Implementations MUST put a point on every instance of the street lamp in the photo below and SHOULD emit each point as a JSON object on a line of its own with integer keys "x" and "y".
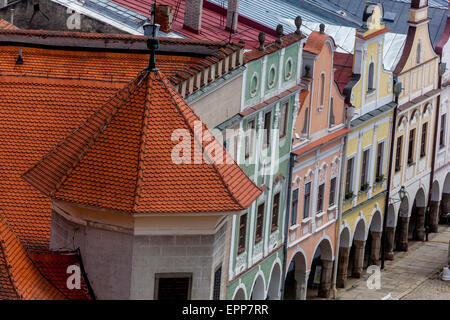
{"x": 402, "y": 192}
{"x": 151, "y": 29}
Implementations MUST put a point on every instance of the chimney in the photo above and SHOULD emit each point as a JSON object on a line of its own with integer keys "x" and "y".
{"x": 164, "y": 17}
{"x": 232, "y": 15}
{"x": 193, "y": 15}
{"x": 419, "y": 11}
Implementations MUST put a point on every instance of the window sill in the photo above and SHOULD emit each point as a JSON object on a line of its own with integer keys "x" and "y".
{"x": 306, "y": 220}
{"x": 240, "y": 251}
{"x": 258, "y": 240}
{"x": 294, "y": 227}
{"x": 332, "y": 208}
{"x": 411, "y": 163}
{"x": 274, "y": 228}
{"x": 320, "y": 214}
{"x": 370, "y": 92}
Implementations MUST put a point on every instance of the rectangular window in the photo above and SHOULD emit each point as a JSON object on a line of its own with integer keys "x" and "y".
{"x": 365, "y": 170}
{"x": 249, "y": 137}
{"x": 242, "y": 233}
{"x": 332, "y": 198}
{"x": 294, "y": 207}
{"x": 423, "y": 141}
{"x": 412, "y": 136}
{"x": 307, "y": 200}
{"x": 320, "y": 197}
{"x": 267, "y": 127}
{"x": 173, "y": 286}
{"x": 284, "y": 119}
{"x": 275, "y": 211}
{"x": 217, "y": 280}
{"x": 380, "y": 156}
{"x": 398, "y": 154}
{"x": 349, "y": 179}
{"x": 259, "y": 223}
{"x": 442, "y": 131}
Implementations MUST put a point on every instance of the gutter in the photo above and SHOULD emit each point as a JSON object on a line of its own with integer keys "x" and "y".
{"x": 338, "y": 229}
{"x": 286, "y": 223}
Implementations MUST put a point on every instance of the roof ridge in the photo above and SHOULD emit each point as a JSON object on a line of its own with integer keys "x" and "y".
{"x": 143, "y": 143}
{"x": 212, "y": 163}
{"x": 75, "y": 158}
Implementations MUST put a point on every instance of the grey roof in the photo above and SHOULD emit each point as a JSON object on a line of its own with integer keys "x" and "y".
{"x": 396, "y": 13}
{"x": 372, "y": 114}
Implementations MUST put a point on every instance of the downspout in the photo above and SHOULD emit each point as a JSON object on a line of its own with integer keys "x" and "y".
{"x": 286, "y": 222}
{"x": 388, "y": 187}
{"x": 435, "y": 133}
{"x": 226, "y": 262}
{"x": 340, "y": 201}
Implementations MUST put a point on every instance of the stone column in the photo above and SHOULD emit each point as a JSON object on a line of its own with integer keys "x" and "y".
{"x": 403, "y": 223}
{"x": 344, "y": 254}
{"x": 375, "y": 249}
{"x": 389, "y": 244}
{"x": 325, "y": 278}
{"x": 301, "y": 277}
{"x": 419, "y": 231}
{"x": 434, "y": 216}
{"x": 358, "y": 259}
{"x": 444, "y": 207}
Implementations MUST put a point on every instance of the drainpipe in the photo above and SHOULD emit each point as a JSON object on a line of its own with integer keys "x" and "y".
{"x": 397, "y": 91}
{"x": 441, "y": 71}
{"x": 340, "y": 206}
{"x": 226, "y": 262}
{"x": 286, "y": 222}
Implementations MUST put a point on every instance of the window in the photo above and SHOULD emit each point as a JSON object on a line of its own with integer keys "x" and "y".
{"x": 320, "y": 197}
{"x": 379, "y": 168}
{"x": 349, "y": 179}
{"x": 423, "y": 141}
{"x": 173, "y": 286}
{"x": 254, "y": 85}
{"x": 249, "y": 137}
{"x": 283, "y": 119}
{"x": 331, "y": 121}
{"x": 306, "y": 122}
{"x": 294, "y": 207}
{"x": 370, "y": 83}
{"x": 242, "y": 233}
{"x": 418, "y": 53}
{"x": 365, "y": 170}
{"x": 275, "y": 211}
{"x": 307, "y": 200}
{"x": 442, "y": 131}
{"x": 259, "y": 223}
{"x": 267, "y": 119}
{"x": 272, "y": 74}
{"x": 332, "y": 198}
{"x": 217, "y": 280}
{"x": 398, "y": 154}
{"x": 412, "y": 135}
{"x": 322, "y": 89}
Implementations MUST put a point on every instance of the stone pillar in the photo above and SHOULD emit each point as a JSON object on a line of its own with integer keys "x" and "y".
{"x": 358, "y": 259}
{"x": 403, "y": 223}
{"x": 389, "y": 244}
{"x": 301, "y": 277}
{"x": 444, "y": 207}
{"x": 434, "y": 216}
{"x": 375, "y": 249}
{"x": 419, "y": 231}
{"x": 325, "y": 278}
{"x": 344, "y": 254}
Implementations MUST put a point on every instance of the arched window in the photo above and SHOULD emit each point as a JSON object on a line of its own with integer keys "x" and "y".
{"x": 322, "y": 89}
{"x": 371, "y": 77}
{"x": 418, "y": 53}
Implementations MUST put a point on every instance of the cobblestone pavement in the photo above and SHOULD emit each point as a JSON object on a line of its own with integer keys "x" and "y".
{"x": 412, "y": 275}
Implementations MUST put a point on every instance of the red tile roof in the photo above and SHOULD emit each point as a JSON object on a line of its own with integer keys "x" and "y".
{"x": 121, "y": 158}
{"x": 54, "y": 267}
{"x": 343, "y": 69}
{"x": 5, "y": 25}
{"x": 315, "y": 42}
{"x": 321, "y": 141}
{"x": 25, "y": 279}
{"x": 212, "y": 28}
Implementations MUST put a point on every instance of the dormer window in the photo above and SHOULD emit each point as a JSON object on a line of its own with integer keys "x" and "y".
{"x": 371, "y": 80}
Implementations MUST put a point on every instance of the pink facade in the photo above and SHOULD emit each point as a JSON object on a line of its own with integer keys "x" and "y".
{"x": 318, "y": 142}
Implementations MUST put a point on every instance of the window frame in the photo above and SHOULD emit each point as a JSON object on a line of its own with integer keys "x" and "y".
{"x": 320, "y": 198}
{"x": 294, "y": 206}
{"x": 332, "y": 192}
{"x": 275, "y": 211}
{"x": 398, "y": 153}
{"x": 284, "y": 114}
{"x": 172, "y": 275}
{"x": 307, "y": 200}
{"x": 365, "y": 166}
{"x": 442, "y": 131}
{"x": 267, "y": 129}
{"x": 423, "y": 140}
{"x": 249, "y": 137}
{"x": 349, "y": 176}
{"x": 380, "y": 159}
{"x": 242, "y": 237}
{"x": 259, "y": 230}
{"x": 411, "y": 146}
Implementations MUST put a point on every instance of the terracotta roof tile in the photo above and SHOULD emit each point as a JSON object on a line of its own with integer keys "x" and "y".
{"x": 121, "y": 158}
{"x": 54, "y": 265}
{"x": 343, "y": 69}
{"x": 315, "y": 42}
{"x": 28, "y": 282}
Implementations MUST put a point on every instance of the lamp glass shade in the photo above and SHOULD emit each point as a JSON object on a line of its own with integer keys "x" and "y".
{"x": 151, "y": 30}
